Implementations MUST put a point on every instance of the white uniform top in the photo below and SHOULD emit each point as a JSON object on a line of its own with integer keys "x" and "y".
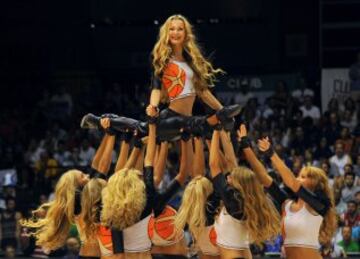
{"x": 136, "y": 237}
{"x": 301, "y": 228}
{"x": 231, "y": 233}
{"x": 177, "y": 79}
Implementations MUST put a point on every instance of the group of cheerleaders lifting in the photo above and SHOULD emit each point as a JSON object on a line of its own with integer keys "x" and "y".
{"x": 125, "y": 216}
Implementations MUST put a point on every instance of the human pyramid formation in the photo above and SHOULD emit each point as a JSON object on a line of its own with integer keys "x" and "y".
{"x": 125, "y": 216}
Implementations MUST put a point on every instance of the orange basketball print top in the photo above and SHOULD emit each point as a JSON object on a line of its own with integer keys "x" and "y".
{"x": 177, "y": 80}
{"x": 105, "y": 241}
{"x": 162, "y": 229}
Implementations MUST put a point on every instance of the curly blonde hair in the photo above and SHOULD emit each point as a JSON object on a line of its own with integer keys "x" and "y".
{"x": 192, "y": 209}
{"x": 123, "y": 199}
{"x": 320, "y": 183}
{"x": 261, "y": 217}
{"x": 90, "y": 201}
{"x": 205, "y": 73}
{"x": 53, "y": 229}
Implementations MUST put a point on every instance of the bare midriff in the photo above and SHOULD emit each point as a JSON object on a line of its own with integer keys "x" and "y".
{"x": 90, "y": 248}
{"x": 117, "y": 256}
{"x": 183, "y": 106}
{"x": 301, "y": 253}
{"x": 143, "y": 255}
{"x": 232, "y": 253}
{"x": 176, "y": 249}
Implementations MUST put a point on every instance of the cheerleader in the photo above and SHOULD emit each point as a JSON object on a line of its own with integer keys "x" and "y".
{"x": 308, "y": 219}
{"x": 247, "y": 216}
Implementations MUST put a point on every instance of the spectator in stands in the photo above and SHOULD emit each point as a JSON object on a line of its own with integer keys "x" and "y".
{"x": 87, "y": 152}
{"x": 10, "y": 252}
{"x": 330, "y": 250}
{"x": 357, "y": 166}
{"x": 281, "y": 96}
{"x": 351, "y": 217}
{"x": 340, "y": 204}
{"x": 333, "y": 107}
{"x": 63, "y": 156}
{"x": 332, "y": 130}
{"x": 244, "y": 95}
{"x": 357, "y": 198}
{"x": 9, "y": 225}
{"x": 346, "y": 139}
{"x": 349, "y": 190}
{"x": 322, "y": 150}
{"x": 347, "y": 243}
{"x": 325, "y": 165}
{"x": 269, "y": 108}
{"x": 299, "y": 143}
{"x": 310, "y": 110}
{"x": 349, "y": 120}
{"x": 45, "y": 168}
{"x": 299, "y": 93}
{"x": 340, "y": 159}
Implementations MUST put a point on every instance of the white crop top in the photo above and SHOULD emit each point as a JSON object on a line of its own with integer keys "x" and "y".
{"x": 177, "y": 80}
{"x": 301, "y": 228}
{"x": 231, "y": 233}
{"x": 136, "y": 237}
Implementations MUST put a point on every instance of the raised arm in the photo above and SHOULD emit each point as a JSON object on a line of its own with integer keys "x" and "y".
{"x": 99, "y": 152}
{"x": 103, "y": 156}
{"x": 124, "y": 152}
{"x": 258, "y": 168}
{"x": 285, "y": 173}
{"x": 139, "y": 164}
{"x": 214, "y": 159}
{"x": 105, "y": 161}
{"x": 223, "y": 163}
{"x": 160, "y": 164}
{"x": 229, "y": 152}
{"x": 151, "y": 146}
{"x": 155, "y": 97}
{"x": 199, "y": 158}
{"x": 182, "y": 174}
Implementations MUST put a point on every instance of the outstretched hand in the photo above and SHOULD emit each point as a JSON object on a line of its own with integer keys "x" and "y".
{"x": 241, "y": 132}
{"x": 264, "y": 144}
{"x": 151, "y": 111}
{"x": 105, "y": 122}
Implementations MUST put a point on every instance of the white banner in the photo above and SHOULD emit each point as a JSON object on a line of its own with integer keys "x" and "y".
{"x": 335, "y": 83}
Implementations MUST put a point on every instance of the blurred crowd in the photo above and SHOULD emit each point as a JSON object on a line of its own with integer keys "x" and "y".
{"x": 43, "y": 143}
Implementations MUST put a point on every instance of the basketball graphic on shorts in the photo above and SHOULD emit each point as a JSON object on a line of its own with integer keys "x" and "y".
{"x": 104, "y": 236}
{"x": 212, "y": 236}
{"x": 162, "y": 227}
{"x": 173, "y": 79}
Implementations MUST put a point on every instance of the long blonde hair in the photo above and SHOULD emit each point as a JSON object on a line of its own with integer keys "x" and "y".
{"x": 123, "y": 199}
{"x": 320, "y": 182}
{"x": 161, "y": 53}
{"x": 261, "y": 217}
{"x": 193, "y": 206}
{"x": 90, "y": 209}
{"x": 53, "y": 229}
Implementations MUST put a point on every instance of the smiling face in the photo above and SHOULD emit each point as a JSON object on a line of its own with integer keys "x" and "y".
{"x": 177, "y": 33}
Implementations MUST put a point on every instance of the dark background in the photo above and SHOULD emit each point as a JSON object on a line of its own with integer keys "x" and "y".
{"x": 43, "y": 42}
